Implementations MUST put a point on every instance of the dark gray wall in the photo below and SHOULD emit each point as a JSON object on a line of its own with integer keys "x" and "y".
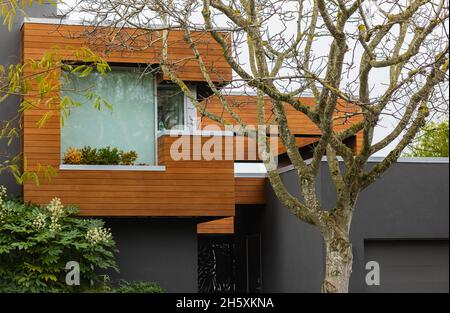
{"x": 409, "y": 265}
{"x": 155, "y": 249}
{"x": 10, "y": 54}
{"x": 410, "y": 201}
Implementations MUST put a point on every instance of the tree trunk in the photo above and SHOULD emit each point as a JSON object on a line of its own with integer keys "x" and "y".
{"x": 338, "y": 265}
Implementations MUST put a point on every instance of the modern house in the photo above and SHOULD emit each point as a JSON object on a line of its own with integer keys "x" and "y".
{"x": 193, "y": 223}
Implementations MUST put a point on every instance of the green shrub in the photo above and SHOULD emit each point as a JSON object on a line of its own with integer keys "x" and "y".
{"x": 138, "y": 287}
{"x": 108, "y": 156}
{"x": 36, "y": 242}
{"x": 88, "y": 155}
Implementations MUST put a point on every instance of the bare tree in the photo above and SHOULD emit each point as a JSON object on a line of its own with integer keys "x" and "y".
{"x": 388, "y": 58}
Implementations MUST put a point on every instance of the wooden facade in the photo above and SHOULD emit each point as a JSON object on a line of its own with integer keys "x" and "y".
{"x": 301, "y": 126}
{"x": 245, "y": 107}
{"x": 185, "y": 188}
{"x": 190, "y": 187}
{"x": 127, "y": 46}
{"x": 250, "y": 190}
{"x": 220, "y": 226}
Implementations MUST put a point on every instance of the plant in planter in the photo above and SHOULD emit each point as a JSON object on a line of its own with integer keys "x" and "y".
{"x": 88, "y": 155}
{"x": 73, "y": 156}
{"x": 102, "y": 156}
{"x": 108, "y": 156}
{"x": 128, "y": 158}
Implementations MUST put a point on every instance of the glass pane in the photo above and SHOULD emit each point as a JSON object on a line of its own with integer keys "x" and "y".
{"x": 130, "y": 125}
{"x": 170, "y": 107}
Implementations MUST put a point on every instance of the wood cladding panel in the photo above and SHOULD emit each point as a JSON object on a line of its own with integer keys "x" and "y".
{"x": 245, "y": 107}
{"x": 359, "y": 141}
{"x": 247, "y": 191}
{"x": 128, "y": 46}
{"x": 220, "y": 226}
{"x": 185, "y": 188}
{"x": 250, "y": 190}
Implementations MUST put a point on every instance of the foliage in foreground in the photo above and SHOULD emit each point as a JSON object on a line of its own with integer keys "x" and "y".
{"x": 431, "y": 142}
{"x": 36, "y": 242}
{"x": 138, "y": 287}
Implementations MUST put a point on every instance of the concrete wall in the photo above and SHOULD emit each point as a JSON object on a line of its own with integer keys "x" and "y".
{"x": 10, "y": 54}
{"x": 156, "y": 249}
{"x": 410, "y": 201}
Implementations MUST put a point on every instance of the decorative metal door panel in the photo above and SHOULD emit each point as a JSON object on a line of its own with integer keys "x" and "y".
{"x": 216, "y": 264}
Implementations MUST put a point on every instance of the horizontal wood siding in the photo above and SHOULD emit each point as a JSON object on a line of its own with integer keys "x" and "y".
{"x": 186, "y": 188}
{"x": 220, "y": 226}
{"x": 305, "y": 131}
{"x": 250, "y": 190}
{"x": 245, "y": 107}
{"x": 128, "y": 46}
{"x": 359, "y": 141}
{"x": 247, "y": 191}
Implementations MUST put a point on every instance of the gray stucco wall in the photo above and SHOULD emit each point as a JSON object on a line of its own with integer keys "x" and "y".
{"x": 10, "y": 54}
{"x": 410, "y": 201}
{"x": 156, "y": 249}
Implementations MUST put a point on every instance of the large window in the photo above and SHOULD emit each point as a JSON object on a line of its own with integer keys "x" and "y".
{"x": 171, "y": 109}
{"x": 130, "y": 125}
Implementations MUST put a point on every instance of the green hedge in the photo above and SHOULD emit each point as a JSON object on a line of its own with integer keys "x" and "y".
{"x": 36, "y": 242}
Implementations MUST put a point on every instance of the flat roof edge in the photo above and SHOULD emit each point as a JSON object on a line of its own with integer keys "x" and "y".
{"x": 57, "y": 20}
{"x": 414, "y": 160}
{"x": 63, "y": 20}
{"x": 250, "y": 175}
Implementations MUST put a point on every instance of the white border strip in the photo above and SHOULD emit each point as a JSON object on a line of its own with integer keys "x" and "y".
{"x": 252, "y": 93}
{"x": 412, "y": 160}
{"x": 206, "y": 133}
{"x": 61, "y": 19}
{"x": 76, "y": 167}
{"x": 250, "y": 175}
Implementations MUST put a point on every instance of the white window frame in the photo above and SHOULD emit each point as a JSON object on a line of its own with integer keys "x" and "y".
{"x": 189, "y": 112}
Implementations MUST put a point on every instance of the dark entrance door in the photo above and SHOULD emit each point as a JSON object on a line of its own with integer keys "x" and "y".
{"x": 216, "y": 264}
{"x": 254, "y": 279}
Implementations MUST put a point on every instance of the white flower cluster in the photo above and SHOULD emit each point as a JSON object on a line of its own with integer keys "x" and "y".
{"x": 56, "y": 210}
{"x": 39, "y": 221}
{"x": 55, "y": 207}
{"x": 3, "y": 209}
{"x": 2, "y": 195}
{"x": 98, "y": 235}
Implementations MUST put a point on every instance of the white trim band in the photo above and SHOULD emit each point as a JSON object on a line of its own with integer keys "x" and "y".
{"x": 84, "y": 167}
{"x": 250, "y": 175}
{"x": 205, "y": 133}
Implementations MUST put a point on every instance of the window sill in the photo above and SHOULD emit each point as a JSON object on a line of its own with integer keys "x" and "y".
{"x": 148, "y": 168}
{"x": 203, "y": 133}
